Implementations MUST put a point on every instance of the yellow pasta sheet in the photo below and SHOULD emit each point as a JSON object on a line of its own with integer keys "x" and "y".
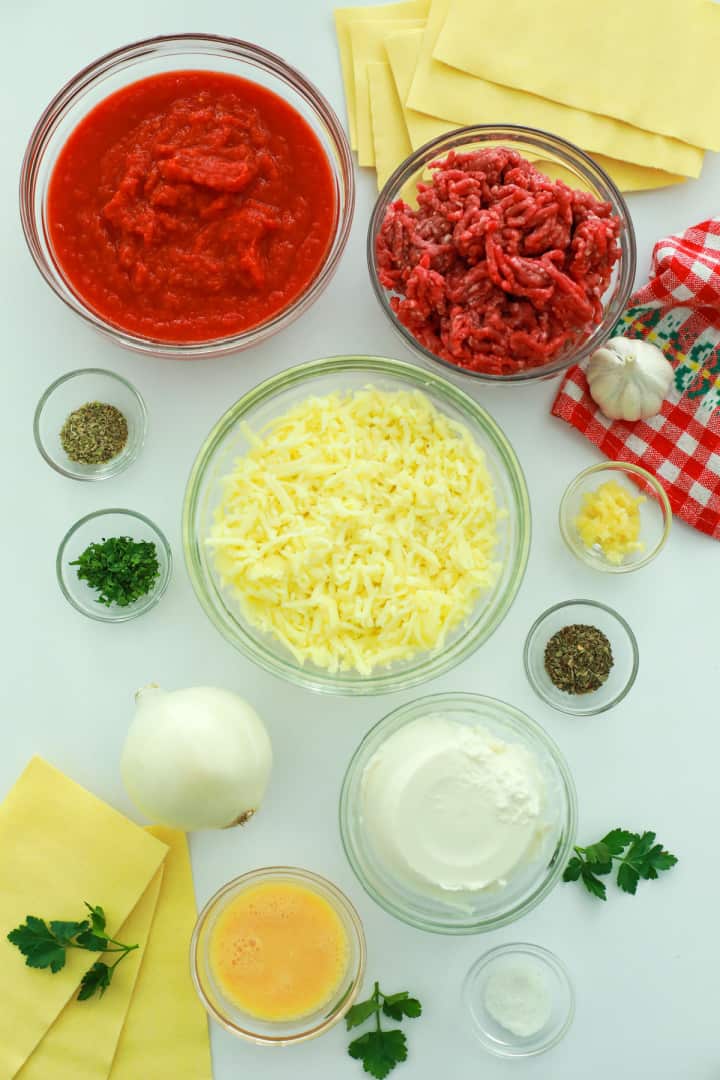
{"x": 59, "y": 846}
{"x": 390, "y": 135}
{"x": 166, "y": 1032}
{"x": 463, "y": 98}
{"x": 82, "y": 1042}
{"x": 403, "y": 50}
{"x": 651, "y": 63}
{"x": 368, "y": 46}
{"x": 406, "y": 9}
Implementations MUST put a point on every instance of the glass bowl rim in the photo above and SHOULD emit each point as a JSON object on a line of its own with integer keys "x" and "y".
{"x": 434, "y": 664}
{"x": 122, "y": 463}
{"x": 413, "y": 710}
{"x": 548, "y": 957}
{"x": 339, "y": 899}
{"x": 570, "y": 155}
{"x": 172, "y": 44}
{"x": 153, "y": 597}
{"x": 627, "y": 686}
{"x": 634, "y": 470}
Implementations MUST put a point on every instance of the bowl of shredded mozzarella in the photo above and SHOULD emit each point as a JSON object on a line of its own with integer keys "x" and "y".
{"x": 356, "y": 525}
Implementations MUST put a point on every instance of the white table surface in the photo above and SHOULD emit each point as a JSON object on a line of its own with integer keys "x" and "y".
{"x": 644, "y": 968}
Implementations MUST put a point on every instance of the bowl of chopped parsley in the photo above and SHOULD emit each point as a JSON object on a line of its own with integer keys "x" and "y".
{"x": 114, "y": 565}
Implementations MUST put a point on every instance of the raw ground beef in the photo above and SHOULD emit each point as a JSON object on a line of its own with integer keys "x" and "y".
{"x": 499, "y": 268}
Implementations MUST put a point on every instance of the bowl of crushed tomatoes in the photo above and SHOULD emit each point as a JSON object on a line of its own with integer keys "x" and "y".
{"x": 187, "y": 195}
{"x": 502, "y": 253}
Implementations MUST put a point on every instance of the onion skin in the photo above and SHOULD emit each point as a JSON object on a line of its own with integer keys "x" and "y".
{"x": 198, "y": 758}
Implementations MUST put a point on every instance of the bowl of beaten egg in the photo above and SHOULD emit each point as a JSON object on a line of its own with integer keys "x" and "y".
{"x": 356, "y": 525}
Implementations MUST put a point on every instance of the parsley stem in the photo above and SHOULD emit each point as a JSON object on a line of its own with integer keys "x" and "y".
{"x": 376, "y": 995}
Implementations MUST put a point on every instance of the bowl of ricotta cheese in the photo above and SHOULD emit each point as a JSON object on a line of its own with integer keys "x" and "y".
{"x": 458, "y": 813}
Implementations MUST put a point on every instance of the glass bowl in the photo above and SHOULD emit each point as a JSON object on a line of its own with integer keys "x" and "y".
{"x": 624, "y": 649}
{"x": 151, "y": 57}
{"x": 229, "y": 440}
{"x": 655, "y": 514}
{"x": 464, "y": 912}
{"x": 70, "y": 392}
{"x": 93, "y": 528}
{"x": 552, "y": 155}
{"x": 561, "y": 999}
{"x": 276, "y": 1033}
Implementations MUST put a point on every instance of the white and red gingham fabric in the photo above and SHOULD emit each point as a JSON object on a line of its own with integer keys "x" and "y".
{"x": 679, "y": 311}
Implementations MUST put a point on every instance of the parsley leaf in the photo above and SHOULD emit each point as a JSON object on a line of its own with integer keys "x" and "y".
{"x": 360, "y": 1013}
{"x": 593, "y": 884}
{"x": 97, "y": 917}
{"x": 638, "y": 856}
{"x": 396, "y": 1006}
{"x": 38, "y": 944}
{"x": 66, "y": 931}
{"x": 95, "y": 980}
{"x": 45, "y": 945}
{"x": 379, "y": 1050}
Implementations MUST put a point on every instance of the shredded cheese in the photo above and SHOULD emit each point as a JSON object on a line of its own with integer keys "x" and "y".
{"x": 610, "y": 521}
{"x": 359, "y": 529}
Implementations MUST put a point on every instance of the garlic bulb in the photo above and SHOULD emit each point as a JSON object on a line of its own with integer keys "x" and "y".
{"x": 628, "y": 378}
{"x": 196, "y": 759}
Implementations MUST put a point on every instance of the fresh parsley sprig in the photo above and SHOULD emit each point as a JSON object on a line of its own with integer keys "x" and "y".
{"x": 381, "y": 1050}
{"x": 637, "y": 855}
{"x": 45, "y": 945}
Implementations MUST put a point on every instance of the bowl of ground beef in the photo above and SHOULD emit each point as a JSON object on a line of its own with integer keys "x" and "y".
{"x": 501, "y": 252}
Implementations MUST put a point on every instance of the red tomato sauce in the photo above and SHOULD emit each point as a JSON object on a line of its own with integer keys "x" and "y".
{"x": 190, "y": 206}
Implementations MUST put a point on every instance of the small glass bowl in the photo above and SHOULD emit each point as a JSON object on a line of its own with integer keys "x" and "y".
{"x": 498, "y": 1039}
{"x": 143, "y": 59}
{"x": 70, "y": 392}
{"x": 276, "y": 1033}
{"x": 92, "y": 529}
{"x": 655, "y": 514}
{"x": 464, "y": 912}
{"x": 557, "y": 158}
{"x": 624, "y": 649}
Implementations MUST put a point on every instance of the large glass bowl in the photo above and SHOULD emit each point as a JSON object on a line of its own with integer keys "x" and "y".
{"x": 557, "y": 158}
{"x": 151, "y": 57}
{"x": 487, "y": 909}
{"x": 229, "y": 439}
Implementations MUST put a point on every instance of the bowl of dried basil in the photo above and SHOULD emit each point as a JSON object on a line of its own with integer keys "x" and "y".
{"x": 581, "y": 657}
{"x": 90, "y": 424}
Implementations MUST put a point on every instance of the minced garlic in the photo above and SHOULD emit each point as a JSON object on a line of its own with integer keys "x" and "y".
{"x": 359, "y": 529}
{"x": 610, "y": 520}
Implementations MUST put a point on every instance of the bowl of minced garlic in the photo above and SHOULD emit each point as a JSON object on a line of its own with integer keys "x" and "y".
{"x": 615, "y": 517}
{"x": 356, "y": 525}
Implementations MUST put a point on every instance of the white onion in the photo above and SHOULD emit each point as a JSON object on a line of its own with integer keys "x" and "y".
{"x": 198, "y": 758}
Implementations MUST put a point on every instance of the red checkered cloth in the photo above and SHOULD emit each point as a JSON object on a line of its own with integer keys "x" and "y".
{"x": 679, "y": 311}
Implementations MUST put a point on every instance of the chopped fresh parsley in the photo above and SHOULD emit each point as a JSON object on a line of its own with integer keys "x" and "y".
{"x": 120, "y": 569}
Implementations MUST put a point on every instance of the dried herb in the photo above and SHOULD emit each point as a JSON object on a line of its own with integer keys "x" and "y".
{"x": 94, "y": 433}
{"x": 578, "y": 659}
{"x": 121, "y": 569}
